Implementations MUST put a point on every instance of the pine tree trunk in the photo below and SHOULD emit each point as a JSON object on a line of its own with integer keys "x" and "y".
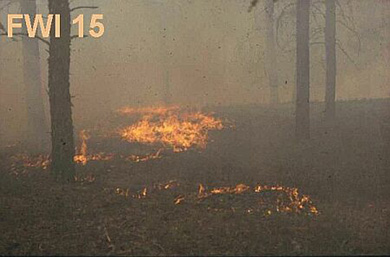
{"x": 302, "y": 114}
{"x": 271, "y": 53}
{"x": 36, "y": 136}
{"x": 330, "y": 45}
{"x": 59, "y": 94}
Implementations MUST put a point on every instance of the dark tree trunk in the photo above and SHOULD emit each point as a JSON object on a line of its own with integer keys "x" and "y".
{"x": 59, "y": 94}
{"x": 302, "y": 113}
{"x": 36, "y": 136}
{"x": 271, "y": 53}
{"x": 330, "y": 45}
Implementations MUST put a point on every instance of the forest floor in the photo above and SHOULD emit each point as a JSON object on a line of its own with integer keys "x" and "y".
{"x": 345, "y": 171}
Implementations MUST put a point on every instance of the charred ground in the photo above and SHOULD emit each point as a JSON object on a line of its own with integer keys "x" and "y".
{"x": 344, "y": 169}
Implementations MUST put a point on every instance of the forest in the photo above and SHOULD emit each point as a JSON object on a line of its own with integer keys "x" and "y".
{"x": 195, "y": 127}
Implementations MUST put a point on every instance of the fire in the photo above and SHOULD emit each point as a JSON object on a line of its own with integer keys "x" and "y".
{"x": 82, "y": 156}
{"x": 179, "y": 199}
{"x": 171, "y": 128}
{"x": 202, "y": 192}
{"x": 168, "y": 127}
{"x": 240, "y": 188}
{"x": 172, "y": 184}
{"x": 40, "y": 161}
{"x": 288, "y": 200}
{"x": 168, "y": 185}
{"x": 297, "y": 202}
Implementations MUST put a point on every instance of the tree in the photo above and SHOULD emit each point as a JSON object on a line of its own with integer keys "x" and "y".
{"x": 63, "y": 151}
{"x": 270, "y": 52}
{"x": 36, "y": 121}
{"x": 302, "y": 113}
{"x": 330, "y": 49}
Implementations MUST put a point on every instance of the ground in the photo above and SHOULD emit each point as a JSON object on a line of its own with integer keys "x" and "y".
{"x": 343, "y": 168}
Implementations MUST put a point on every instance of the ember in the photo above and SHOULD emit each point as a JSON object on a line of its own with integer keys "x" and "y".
{"x": 281, "y": 200}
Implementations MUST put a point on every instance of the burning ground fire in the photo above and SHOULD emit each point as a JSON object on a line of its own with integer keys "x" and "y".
{"x": 166, "y": 128}
{"x": 163, "y": 128}
{"x": 260, "y": 198}
{"x": 170, "y": 128}
{"x": 174, "y": 130}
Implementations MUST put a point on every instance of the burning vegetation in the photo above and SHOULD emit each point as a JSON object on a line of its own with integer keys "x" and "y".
{"x": 167, "y": 129}
{"x": 170, "y": 129}
{"x": 260, "y": 198}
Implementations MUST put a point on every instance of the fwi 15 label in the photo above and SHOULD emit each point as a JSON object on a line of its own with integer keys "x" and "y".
{"x": 96, "y": 27}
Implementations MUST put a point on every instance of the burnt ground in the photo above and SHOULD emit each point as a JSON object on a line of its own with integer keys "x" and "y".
{"x": 343, "y": 169}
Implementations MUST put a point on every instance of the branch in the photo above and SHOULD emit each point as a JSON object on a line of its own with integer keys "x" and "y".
{"x": 345, "y": 52}
{"x": 83, "y": 7}
{"x": 345, "y": 25}
{"x": 339, "y": 46}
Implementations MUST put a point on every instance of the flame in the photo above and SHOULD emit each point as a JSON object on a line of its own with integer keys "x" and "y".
{"x": 295, "y": 202}
{"x": 40, "y": 161}
{"x": 82, "y": 156}
{"x": 288, "y": 200}
{"x": 143, "y": 193}
{"x": 202, "y": 192}
{"x": 168, "y": 185}
{"x": 171, "y": 128}
{"x": 238, "y": 189}
{"x": 167, "y": 126}
{"x": 179, "y": 199}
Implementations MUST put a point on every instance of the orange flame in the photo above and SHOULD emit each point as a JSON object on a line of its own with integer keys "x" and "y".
{"x": 172, "y": 129}
{"x": 289, "y": 201}
{"x": 82, "y": 156}
{"x": 169, "y": 127}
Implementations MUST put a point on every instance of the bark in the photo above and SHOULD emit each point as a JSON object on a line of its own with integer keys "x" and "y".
{"x": 302, "y": 114}
{"x": 330, "y": 47}
{"x": 271, "y": 53}
{"x": 36, "y": 136}
{"x": 59, "y": 95}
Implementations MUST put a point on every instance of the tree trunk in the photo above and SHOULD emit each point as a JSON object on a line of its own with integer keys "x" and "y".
{"x": 271, "y": 53}
{"x": 330, "y": 45}
{"x": 302, "y": 113}
{"x": 59, "y": 95}
{"x": 36, "y": 136}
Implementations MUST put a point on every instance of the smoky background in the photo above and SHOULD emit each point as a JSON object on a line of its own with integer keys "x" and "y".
{"x": 196, "y": 53}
